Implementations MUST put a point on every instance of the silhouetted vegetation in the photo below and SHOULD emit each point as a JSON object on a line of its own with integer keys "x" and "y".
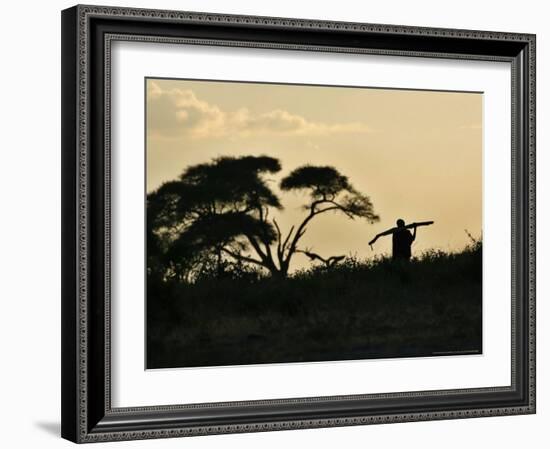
{"x": 354, "y": 309}
{"x": 217, "y": 214}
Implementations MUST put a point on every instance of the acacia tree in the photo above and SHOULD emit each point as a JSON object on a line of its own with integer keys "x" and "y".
{"x": 210, "y": 209}
{"x": 219, "y": 212}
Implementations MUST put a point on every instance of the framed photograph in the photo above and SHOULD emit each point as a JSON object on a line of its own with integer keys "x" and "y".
{"x": 275, "y": 224}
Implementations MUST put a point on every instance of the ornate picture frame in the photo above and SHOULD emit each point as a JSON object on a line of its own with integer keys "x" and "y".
{"x": 88, "y": 414}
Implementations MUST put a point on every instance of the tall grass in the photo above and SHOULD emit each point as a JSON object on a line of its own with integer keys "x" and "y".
{"x": 357, "y": 309}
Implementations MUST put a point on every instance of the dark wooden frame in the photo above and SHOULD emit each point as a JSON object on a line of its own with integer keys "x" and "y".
{"x": 87, "y": 32}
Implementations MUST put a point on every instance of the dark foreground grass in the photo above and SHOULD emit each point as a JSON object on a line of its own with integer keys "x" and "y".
{"x": 356, "y": 310}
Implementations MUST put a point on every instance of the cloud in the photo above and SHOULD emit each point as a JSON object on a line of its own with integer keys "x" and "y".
{"x": 175, "y": 113}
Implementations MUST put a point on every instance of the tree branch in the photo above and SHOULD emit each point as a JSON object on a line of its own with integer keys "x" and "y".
{"x": 340, "y": 207}
{"x": 256, "y": 247}
{"x": 243, "y": 258}
{"x": 326, "y": 209}
{"x": 299, "y": 232}
{"x": 285, "y": 243}
{"x": 313, "y": 212}
{"x": 269, "y": 254}
{"x": 279, "y": 240}
{"x": 329, "y": 262}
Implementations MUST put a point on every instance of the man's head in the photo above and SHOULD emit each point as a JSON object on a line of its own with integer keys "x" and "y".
{"x": 400, "y": 223}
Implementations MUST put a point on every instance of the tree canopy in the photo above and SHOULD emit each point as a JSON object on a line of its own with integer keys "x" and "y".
{"x": 217, "y": 213}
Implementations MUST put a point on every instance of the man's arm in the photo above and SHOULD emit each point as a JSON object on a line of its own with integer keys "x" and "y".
{"x": 382, "y": 234}
{"x": 414, "y": 235}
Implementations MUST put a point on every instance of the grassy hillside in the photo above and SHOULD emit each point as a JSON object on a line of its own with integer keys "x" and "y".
{"x": 356, "y": 310}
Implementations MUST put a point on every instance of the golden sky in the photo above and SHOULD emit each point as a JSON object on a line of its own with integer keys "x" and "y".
{"x": 416, "y": 154}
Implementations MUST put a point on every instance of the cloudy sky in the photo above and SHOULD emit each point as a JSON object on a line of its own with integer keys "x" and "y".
{"x": 416, "y": 154}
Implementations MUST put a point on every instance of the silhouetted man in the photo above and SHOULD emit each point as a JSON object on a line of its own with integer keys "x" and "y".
{"x": 401, "y": 238}
{"x": 401, "y": 241}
